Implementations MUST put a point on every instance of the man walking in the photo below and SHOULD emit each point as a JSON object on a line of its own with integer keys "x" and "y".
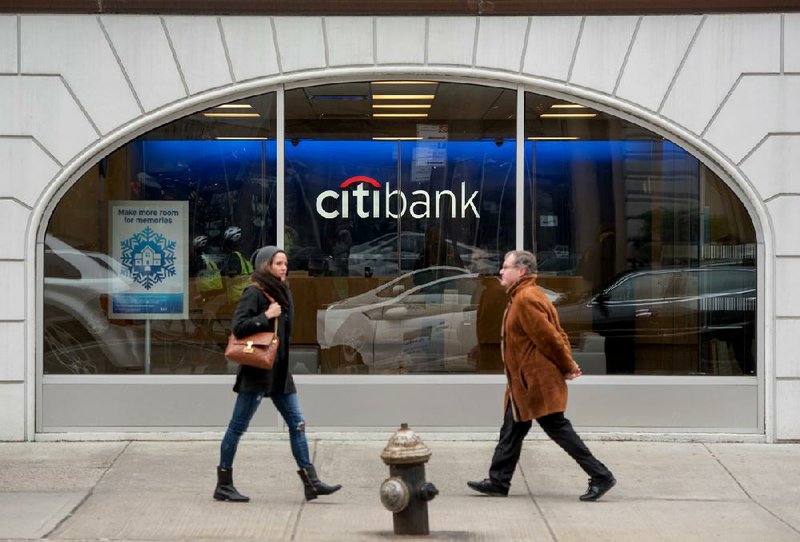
{"x": 538, "y": 360}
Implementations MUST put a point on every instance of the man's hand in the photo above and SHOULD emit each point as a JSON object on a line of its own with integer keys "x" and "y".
{"x": 575, "y": 373}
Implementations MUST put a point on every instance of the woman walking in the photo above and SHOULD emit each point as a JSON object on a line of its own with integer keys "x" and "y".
{"x": 267, "y": 299}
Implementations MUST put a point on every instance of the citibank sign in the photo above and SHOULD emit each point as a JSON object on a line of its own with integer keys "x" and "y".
{"x": 364, "y": 197}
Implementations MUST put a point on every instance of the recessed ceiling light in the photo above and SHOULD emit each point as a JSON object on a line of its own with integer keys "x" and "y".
{"x": 407, "y": 115}
{"x": 401, "y": 106}
{"x": 399, "y": 138}
{"x": 568, "y": 115}
{"x": 567, "y": 106}
{"x": 232, "y": 115}
{"x": 234, "y": 106}
{"x": 403, "y": 96}
{"x": 552, "y": 138}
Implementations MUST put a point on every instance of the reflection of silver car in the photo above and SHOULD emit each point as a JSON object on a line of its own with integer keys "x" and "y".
{"x": 430, "y": 327}
{"x": 330, "y": 321}
{"x": 78, "y": 336}
{"x": 384, "y": 257}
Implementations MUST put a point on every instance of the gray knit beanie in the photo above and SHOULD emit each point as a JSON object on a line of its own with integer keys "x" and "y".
{"x": 264, "y": 255}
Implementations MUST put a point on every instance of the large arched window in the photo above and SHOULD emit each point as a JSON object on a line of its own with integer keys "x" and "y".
{"x": 399, "y": 200}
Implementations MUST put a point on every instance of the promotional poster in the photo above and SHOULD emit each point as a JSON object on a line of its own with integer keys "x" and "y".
{"x": 150, "y": 240}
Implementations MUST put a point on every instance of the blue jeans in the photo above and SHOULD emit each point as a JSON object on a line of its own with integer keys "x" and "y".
{"x": 244, "y": 410}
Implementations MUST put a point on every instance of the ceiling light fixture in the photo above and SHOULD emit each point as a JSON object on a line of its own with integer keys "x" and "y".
{"x": 567, "y": 106}
{"x": 568, "y": 115}
{"x": 399, "y": 138}
{"x": 403, "y": 96}
{"x": 234, "y": 106}
{"x": 232, "y": 115}
{"x": 398, "y": 115}
{"x": 401, "y": 106}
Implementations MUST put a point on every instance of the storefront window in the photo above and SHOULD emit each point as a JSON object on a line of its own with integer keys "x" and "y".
{"x": 399, "y": 200}
{"x": 146, "y": 255}
{"x": 650, "y": 256}
{"x": 399, "y": 207}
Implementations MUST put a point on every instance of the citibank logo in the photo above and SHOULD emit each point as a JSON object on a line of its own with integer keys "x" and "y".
{"x": 365, "y": 197}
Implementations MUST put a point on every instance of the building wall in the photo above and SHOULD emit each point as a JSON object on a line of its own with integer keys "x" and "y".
{"x": 74, "y": 87}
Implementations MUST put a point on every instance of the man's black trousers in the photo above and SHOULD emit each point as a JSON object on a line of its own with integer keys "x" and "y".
{"x": 558, "y": 428}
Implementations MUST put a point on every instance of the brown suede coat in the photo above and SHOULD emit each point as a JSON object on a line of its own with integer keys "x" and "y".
{"x": 536, "y": 353}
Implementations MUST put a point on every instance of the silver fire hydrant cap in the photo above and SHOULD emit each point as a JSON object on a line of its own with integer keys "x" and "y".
{"x": 405, "y": 447}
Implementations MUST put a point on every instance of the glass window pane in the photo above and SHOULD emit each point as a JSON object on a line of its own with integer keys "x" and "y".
{"x": 399, "y": 204}
{"x": 391, "y": 189}
{"x": 222, "y": 163}
{"x": 652, "y": 255}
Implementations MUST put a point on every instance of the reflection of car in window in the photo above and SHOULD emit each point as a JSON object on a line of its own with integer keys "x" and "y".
{"x": 707, "y": 309}
{"x": 330, "y": 321}
{"x": 421, "y": 322}
{"x": 78, "y": 336}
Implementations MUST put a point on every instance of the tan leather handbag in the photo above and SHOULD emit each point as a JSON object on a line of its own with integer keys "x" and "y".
{"x": 257, "y": 350}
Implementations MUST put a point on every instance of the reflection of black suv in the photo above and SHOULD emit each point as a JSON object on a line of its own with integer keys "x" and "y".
{"x": 702, "y": 313}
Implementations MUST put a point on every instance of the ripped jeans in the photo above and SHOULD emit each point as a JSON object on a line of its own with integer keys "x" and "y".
{"x": 244, "y": 410}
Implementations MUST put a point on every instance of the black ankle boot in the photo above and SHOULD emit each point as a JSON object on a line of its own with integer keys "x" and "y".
{"x": 225, "y": 490}
{"x": 314, "y": 486}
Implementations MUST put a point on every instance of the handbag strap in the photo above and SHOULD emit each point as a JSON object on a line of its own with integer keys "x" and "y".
{"x": 269, "y": 298}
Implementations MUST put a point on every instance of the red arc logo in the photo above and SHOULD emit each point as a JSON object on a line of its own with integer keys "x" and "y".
{"x": 360, "y": 179}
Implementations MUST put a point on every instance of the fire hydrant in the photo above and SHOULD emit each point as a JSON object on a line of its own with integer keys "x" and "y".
{"x": 405, "y": 492}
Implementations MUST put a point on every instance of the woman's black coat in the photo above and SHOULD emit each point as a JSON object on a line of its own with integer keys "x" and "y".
{"x": 249, "y": 318}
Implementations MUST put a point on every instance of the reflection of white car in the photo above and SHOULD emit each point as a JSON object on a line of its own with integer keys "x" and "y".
{"x": 430, "y": 327}
{"x": 78, "y": 336}
{"x": 331, "y": 319}
{"x": 384, "y": 258}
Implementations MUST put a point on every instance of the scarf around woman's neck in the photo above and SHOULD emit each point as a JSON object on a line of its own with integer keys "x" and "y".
{"x": 273, "y": 286}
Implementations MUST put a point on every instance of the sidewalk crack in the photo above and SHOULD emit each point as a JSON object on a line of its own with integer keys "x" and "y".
{"x": 89, "y": 493}
{"x": 749, "y": 496}
{"x": 296, "y": 526}
{"x": 536, "y": 504}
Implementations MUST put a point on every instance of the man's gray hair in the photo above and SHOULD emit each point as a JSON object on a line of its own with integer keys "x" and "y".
{"x": 523, "y": 258}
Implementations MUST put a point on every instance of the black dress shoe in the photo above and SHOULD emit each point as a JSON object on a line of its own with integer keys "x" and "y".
{"x": 487, "y": 486}
{"x": 598, "y": 488}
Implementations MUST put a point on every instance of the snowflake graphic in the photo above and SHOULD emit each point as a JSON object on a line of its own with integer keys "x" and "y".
{"x": 148, "y": 258}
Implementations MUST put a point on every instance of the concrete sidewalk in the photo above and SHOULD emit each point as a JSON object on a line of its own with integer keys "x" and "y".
{"x": 162, "y": 491}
